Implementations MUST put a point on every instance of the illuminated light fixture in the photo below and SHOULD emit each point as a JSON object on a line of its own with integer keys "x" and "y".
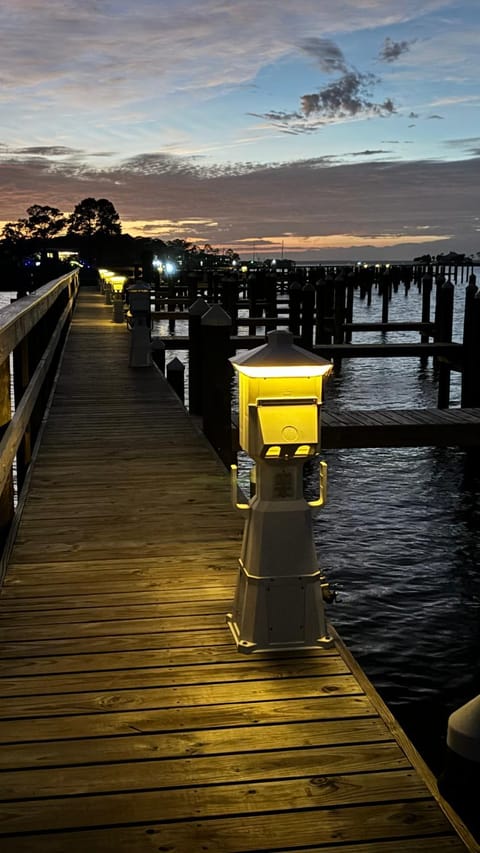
{"x": 117, "y": 282}
{"x": 303, "y": 450}
{"x": 279, "y": 596}
{"x": 170, "y": 267}
{"x": 274, "y": 450}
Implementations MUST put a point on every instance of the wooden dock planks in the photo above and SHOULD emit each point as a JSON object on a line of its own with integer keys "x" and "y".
{"x": 401, "y": 428}
{"x": 129, "y": 721}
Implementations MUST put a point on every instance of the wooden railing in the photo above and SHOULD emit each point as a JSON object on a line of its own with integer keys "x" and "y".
{"x": 32, "y": 333}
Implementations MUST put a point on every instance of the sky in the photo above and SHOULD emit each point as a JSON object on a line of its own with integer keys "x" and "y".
{"x": 312, "y": 129}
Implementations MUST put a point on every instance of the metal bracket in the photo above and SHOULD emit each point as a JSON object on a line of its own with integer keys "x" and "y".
{"x": 322, "y": 470}
{"x": 243, "y": 508}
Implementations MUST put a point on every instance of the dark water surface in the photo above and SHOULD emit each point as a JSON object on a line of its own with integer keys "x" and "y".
{"x": 399, "y": 539}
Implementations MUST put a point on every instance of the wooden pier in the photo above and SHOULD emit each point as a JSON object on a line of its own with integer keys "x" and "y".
{"x": 401, "y": 428}
{"x": 129, "y": 722}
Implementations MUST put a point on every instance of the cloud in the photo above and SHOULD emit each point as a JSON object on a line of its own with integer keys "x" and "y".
{"x": 328, "y": 55}
{"x": 123, "y": 53}
{"x": 471, "y": 145}
{"x": 164, "y": 195}
{"x": 49, "y": 150}
{"x": 392, "y": 50}
{"x": 346, "y": 97}
{"x": 368, "y": 152}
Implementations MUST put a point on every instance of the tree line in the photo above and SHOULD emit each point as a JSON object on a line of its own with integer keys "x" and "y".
{"x": 90, "y": 218}
{"x": 95, "y": 227}
{"x": 30, "y": 247}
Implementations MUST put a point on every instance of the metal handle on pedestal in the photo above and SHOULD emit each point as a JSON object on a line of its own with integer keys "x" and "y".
{"x": 322, "y": 470}
{"x": 242, "y": 507}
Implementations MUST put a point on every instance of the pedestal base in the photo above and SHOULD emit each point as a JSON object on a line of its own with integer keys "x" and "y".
{"x": 278, "y": 613}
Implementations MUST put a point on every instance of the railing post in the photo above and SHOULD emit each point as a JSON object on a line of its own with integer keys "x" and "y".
{"x": 445, "y": 324}
{"x": 322, "y": 336}
{"x": 339, "y": 315}
{"x": 384, "y": 287}
{"x": 196, "y": 312}
{"x": 349, "y": 305}
{"x": 217, "y": 375}
{"x": 6, "y": 498}
{"x": 21, "y": 378}
{"x": 158, "y": 353}
{"x": 176, "y": 377}
{"x": 271, "y": 299}
{"x": 229, "y": 299}
{"x": 439, "y": 282}
{"x": 294, "y": 307}
{"x": 471, "y": 349}
{"x": 308, "y": 310}
{"x": 426, "y": 298}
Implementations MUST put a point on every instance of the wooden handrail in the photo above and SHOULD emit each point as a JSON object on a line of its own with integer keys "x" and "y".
{"x": 32, "y": 331}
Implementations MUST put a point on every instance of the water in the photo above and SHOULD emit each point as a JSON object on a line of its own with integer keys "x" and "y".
{"x": 399, "y": 540}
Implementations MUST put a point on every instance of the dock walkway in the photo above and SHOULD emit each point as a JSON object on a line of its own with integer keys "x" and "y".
{"x": 129, "y": 722}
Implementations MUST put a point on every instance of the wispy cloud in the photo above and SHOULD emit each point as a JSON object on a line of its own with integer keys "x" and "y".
{"x": 326, "y": 53}
{"x": 392, "y": 50}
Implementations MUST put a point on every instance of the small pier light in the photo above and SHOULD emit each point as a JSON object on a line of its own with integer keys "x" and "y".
{"x": 117, "y": 282}
{"x": 280, "y": 589}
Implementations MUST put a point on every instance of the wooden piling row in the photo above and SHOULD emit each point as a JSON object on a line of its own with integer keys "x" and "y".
{"x": 319, "y": 312}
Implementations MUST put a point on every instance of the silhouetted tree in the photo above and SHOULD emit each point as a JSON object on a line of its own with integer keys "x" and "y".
{"x": 44, "y": 221}
{"x": 94, "y": 218}
{"x": 14, "y": 232}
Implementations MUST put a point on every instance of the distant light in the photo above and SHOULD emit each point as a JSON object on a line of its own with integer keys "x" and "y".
{"x": 157, "y": 263}
{"x": 170, "y": 267}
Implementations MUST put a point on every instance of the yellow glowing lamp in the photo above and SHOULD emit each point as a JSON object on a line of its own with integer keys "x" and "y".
{"x": 117, "y": 282}
{"x": 280, "y": 393}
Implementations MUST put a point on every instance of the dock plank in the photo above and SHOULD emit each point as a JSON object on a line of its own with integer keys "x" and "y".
{"x": 401, "y": 428}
